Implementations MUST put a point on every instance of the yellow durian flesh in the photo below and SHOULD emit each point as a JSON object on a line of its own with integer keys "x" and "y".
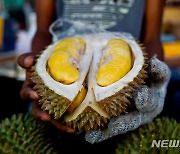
{"x": 72, "y": 45}
{"x": 60, "y": 63}
{"x": 78, "y": 100}
{"x": 119, "y": 62}
{"x": 60, "y": 68}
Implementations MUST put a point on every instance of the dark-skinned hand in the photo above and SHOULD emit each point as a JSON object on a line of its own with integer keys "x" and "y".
{"x": 26, "y": 61}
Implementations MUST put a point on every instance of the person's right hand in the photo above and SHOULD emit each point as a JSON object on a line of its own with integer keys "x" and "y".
{"x": 26, "y": 61}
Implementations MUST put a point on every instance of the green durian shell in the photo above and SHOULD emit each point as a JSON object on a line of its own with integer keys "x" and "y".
{"x": 140, "y": 140}
{"x": 22, "y": 134}
{"x": 55, "y": 104}
{"x": 114, "y": 105}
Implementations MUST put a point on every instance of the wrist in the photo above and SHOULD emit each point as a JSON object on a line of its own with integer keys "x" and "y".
{"x": 40, "y": 41}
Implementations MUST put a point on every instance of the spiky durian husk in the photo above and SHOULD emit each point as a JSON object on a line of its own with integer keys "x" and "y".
{"x": 114, "y": 105}
{"x": 88, "y": 119}
{"x": 55, "y": 104}
{"x": 22, "y": 134}
{"x": 120, "y": 102}
{"x": 140, "y": 140}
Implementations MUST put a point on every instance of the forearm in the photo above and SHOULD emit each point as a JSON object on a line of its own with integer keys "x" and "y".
{"x": 45, "y": 16}
{"x": 40, "y": 41}
{"x": 152, "y": 28}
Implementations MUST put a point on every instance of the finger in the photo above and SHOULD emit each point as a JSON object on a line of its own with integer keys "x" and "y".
{"x": 95, "y": 136}
{"x": 62, "y": 127}
{"x": 145, "y": 98}
{"x": 158, "y": 71}
{"x": 123, "y": 123}
{"x": 28, "y": 94}
{"x": 28, "y": 82}
{"x": 39, "y": 114}
{"x": 26, "y": 60}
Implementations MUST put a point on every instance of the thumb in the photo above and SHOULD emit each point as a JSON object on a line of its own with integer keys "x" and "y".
{"x": 26, "y": 60}
{"x": 158, "y": 71}
{"x": 145, "y": 98}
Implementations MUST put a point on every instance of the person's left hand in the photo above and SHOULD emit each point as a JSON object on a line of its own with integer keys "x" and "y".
{"x": 149, "y": 101}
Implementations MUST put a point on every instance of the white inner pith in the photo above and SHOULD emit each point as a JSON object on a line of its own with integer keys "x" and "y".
{"x": 94, "y": 45}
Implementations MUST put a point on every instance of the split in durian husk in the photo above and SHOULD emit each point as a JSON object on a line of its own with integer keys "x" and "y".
{"x": 22, "y": 134}
{"x": 102, "y": 101}
{"x": 140, "y": 140}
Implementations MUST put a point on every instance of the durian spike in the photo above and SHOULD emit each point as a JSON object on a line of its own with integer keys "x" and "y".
{"x": 85, "y": 120}
{"x": 59, "y": 104}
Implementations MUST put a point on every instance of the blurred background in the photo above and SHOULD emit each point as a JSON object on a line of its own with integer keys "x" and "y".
{"x": 17, "y": 28}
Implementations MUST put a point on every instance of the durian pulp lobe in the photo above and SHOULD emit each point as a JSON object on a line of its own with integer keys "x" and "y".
{"x": 119, "y": 64}
{"x": 61, "y": 69}
{"x": 74, "y": 46}
{"x": 78, "y": 100}
{"x": 67, "y": 51}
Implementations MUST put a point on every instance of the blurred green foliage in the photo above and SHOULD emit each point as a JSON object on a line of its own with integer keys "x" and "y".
{"x": 13, "y": 4}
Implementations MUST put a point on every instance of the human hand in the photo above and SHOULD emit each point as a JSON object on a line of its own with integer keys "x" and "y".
{"x": 26, "y": 61}
{"x": 149, "y": 101}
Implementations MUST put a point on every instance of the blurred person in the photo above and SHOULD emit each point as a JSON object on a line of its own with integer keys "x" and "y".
{"x": 139, "y": 17}
{"x": 148, "y": 27}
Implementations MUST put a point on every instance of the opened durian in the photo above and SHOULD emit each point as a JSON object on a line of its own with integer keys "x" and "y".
{"x": 89, "y": 79}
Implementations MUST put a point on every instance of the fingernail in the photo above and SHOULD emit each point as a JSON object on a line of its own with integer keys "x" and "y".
{"x": 28, "y": 61}
{"x": 33, "y": 95}
{"x": 70, "y": 130}
{"x": 45, "y": 117}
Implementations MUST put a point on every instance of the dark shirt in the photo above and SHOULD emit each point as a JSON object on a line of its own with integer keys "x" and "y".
{"x": 112, "y": 15}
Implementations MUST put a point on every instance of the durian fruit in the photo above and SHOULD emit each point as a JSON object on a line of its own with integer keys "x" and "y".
{"x": 84, "y": 81}
{"x": 22, "y": 134}
{"x": 140, "y": 140}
